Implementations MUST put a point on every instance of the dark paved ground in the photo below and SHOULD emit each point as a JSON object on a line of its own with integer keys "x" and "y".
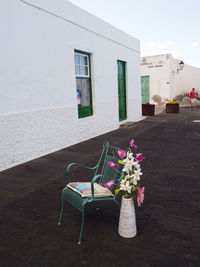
{"x": 168, "y": 223}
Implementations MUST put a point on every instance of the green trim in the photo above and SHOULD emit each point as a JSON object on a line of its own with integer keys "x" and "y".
{"x": 81, "y": 52}
{"x": 86, "y": 111}
{"x": 122, "y": 90}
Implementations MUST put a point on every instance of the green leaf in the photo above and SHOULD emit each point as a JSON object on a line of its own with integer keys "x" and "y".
{"x": 116, "y": 191}
{"x": 121, "y": 162}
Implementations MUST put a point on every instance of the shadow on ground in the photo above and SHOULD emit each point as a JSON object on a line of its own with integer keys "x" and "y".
{"x": 168, "y": 223}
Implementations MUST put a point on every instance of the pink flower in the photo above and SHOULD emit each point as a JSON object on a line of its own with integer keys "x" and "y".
{"x": 112, "y": 165}
{"x": 109, "y": 184}
{"x": 140, "y": 196}
{"x": 139, "y": 157}
{"x": 132, "y": 144}
{"x": 121, "y": 153}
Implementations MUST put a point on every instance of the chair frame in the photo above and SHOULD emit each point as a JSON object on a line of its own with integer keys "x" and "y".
{"x": 79, "y": 202}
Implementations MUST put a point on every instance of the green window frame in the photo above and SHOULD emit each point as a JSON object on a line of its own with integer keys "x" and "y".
{"x": 83, "y": 83}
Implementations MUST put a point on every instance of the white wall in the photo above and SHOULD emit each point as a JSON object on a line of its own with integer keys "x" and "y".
{"x": 188, "y": 78}
{"x": 182, "y": 81}
{"x": 157, "y": 68}
{"x": 166, "y": 81}
{"x": 37, "y": 77}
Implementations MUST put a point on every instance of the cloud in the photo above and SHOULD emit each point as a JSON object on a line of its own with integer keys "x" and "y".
{"x": 159, "y": 47}
{"x": 156, "y": 45}
{"x": 195, "y": 44}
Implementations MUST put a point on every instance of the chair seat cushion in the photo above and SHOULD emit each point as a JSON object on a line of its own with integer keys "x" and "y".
{"x": 84, "y": 189}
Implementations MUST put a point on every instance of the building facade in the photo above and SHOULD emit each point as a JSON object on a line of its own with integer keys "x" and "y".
{"x": 161, "y": 75}
{"x": 65, "y": 76}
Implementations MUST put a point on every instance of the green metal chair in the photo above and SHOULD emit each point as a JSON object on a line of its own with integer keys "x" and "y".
{"x": 102, "y": 174}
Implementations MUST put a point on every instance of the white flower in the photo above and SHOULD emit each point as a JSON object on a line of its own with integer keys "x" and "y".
{"x": 135, "y": 180}
{"x": 123, "y": 180}
{"x": 126, "y": 169}
{"x": 125, "y": 186}
{"x": 129, "y": 165}
{"x": 136, "y": 176}
{"x": 126, "y": 160}
{"x": 138, "y": 172}
{"x": 130, "y": 177}
{"x": 129, "y": 155}
{"x": 137, "y": 165}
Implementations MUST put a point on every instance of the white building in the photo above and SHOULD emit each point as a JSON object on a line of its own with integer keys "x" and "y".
{"x": 65, "y": 76}
{"x": 163, "y": 76}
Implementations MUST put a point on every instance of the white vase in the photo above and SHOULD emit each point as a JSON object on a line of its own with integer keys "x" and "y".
{"x": 127, "y": 221}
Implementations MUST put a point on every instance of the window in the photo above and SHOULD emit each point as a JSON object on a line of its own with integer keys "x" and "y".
{"x": 83, "y": 84}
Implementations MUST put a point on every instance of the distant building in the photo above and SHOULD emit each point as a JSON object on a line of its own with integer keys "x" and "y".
{"x": 65, "y": 76}
{"x": 162, "y": 75}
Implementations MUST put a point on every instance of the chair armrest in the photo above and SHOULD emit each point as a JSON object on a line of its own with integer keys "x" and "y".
{"x": 78, "y": 164}
{"x": 96, "y": 177}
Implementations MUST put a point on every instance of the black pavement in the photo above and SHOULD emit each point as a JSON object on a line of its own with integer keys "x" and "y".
{"x": 168, "y": 223}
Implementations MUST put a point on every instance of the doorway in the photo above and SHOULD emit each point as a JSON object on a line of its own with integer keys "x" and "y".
{"x": 145, "y": 89}
{"x": 121, "y": 65}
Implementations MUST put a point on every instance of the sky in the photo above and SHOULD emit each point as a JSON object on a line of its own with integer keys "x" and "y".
{"x": 162, "y": 26}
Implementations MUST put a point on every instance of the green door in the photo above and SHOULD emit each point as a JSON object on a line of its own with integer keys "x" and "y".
{"x": 145, "y": 89}
{"x": 122, "y": 89}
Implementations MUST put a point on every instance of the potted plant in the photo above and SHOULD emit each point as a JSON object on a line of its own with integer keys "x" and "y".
{"x": 172, "y": 107}
{"x": 129, "y": 183}
{"x": 157, "y": 99}
{"x": 148, "y": 109}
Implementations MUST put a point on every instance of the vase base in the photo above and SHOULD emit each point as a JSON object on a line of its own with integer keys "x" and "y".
{"x": 128, "y": 236}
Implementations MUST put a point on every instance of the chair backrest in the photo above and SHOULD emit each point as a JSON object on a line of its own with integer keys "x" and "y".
{"x": 109, "y": 153}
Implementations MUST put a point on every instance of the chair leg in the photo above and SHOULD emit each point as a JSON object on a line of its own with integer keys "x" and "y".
{"x": 82, "y": 223}
{"x": 117, "y": 203}
{"x": 61, "y": 212}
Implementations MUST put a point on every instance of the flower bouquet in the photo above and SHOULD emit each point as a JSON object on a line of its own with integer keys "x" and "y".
{"x": 130, "y": 175}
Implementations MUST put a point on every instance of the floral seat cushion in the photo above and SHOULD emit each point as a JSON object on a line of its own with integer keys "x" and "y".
{"x": 84, "y": 189}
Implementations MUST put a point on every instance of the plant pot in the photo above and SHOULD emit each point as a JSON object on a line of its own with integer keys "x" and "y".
{"x": 148, "y": 109}
{"x": 172, "y": 108}
{"x": 127, "y": 221}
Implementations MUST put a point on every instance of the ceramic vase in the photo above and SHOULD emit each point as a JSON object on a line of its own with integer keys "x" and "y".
{"x": 127, "y": 221}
